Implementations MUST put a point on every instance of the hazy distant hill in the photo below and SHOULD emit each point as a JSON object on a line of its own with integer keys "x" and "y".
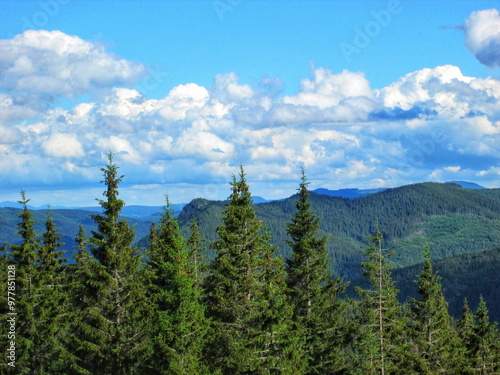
{"x": 356, "y": 193}
{"x": 66, "y": 220}
{"x": 135, "y": 211}
{"x": 347, "y": 193}
{"x": 466, "y": 185}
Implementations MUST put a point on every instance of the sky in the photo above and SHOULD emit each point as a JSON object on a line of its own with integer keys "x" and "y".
{"x": 363, "y": 94}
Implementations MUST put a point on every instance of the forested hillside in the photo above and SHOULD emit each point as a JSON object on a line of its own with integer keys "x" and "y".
{"x": 451, "y": 219}
{"x": 463, "y": 276}
{"x": 166, "y": 309}
{"x": 68, "y": 222}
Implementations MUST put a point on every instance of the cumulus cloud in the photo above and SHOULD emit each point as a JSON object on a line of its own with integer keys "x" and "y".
{"x": 63, "y": 146}
{"x": 434, "y": 123}
{"x": 227, "y": 88}
{"x": 9, "y": 135}
{"x": 482, "y": 36}
{"x": 444, "y": 91}
{"x": 327, "y": 89}
{"x": 57, "y": 64}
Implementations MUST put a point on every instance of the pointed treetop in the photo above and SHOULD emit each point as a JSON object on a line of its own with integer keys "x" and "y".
{"x": 303, "y": 175}
{"x": 24, "y": 201}
{"x": 240, "y": 190}
{"x": 168, "y": 212}
{"x": 427, "y": 252}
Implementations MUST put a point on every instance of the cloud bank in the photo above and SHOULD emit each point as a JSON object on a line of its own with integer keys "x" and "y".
{"x": 37, "y": 67}
{"x": 431, "y": 124}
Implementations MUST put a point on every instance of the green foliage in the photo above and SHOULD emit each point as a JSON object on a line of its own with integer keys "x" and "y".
{"x": 411, "y": 215}
{"x": 23, "y": 257}
{"x": 448, "y": 235}
{"x": 436, "y": 341}
{"x": 52, "y": 307}
{"x": 112, "y": 312}
{"x": 467, "y": 335}
{"x": 381, "y": 345}
{"x": 462, "y": 276}
{"x": 111, "y": 332}
{"x": 485, "y": 348}
{"x": 179, "y": 325}
{"x": 197, "y": 253}
{"x": 67, "y": 220}
{"x": 252, "y": 326}
{"x": 318, "y": 310}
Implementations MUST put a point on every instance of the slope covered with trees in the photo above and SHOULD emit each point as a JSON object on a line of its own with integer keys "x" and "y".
{"x": 120, "y": 309}
{"x": 451, "y": 219}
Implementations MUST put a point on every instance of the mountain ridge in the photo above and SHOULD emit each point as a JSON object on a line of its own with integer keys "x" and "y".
{"x": 135, "y": 210}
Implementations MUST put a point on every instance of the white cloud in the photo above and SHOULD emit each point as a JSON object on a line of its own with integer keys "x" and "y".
{"x": 15, "y": 109}
{"x": 327, "y": 89}
{"x": 428, "y": 124}
{"x": 121, "y": 147}
{"x": 227, "y": 88}
{"x": 423, "y": 86}
{"x": 482, "y": 36}
{"x": 442, "y": 91}
{"x": 9, "y": 135}
{"x": 355, "y": 169}
{"x": 203, "y": 144}
{"x": 63, "y": 146}
{"x": 54, "y": 63}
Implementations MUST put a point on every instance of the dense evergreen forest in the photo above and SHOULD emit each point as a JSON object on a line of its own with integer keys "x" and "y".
{"x": 217, "y": 296}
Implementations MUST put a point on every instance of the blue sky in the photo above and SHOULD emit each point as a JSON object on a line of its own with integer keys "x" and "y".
{"x": 362, "y": 93}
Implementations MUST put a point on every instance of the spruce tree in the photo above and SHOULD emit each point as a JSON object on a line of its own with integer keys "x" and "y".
{"x": 82, "y": 256}
{"x": 485, "y": 351}
{"x": 197, "y": 252}
{"x": 180, "y": 326}
{"x": 81, "y": 273}
{"x": 111, "y": 332}
{"x": 246, "y": 294}
{"x": 23, "y": 257}
{"x": 466, "y": 327}
{"x": 381, "y": 346}
{"x": 313, "y": 292}
{"x": 436, "y": 340}
{"x": 53, "y": 306}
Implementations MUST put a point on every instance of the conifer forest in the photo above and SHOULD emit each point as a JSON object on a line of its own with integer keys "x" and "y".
{"x": 183, "y": 305}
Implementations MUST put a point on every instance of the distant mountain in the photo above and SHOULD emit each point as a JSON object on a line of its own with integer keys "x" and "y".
{"x": 142, "y": 212}
{"x": 18, "y": 205}
{"x": 67, "y": 222}
{"x": 133, "y": 211}
{"x": 356, "y": 193}
{"x": 347, "y": 193}
{"x": 451, "y": 219}
{"x": 466, "y": 185}
{"x": 256, "y": 199}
